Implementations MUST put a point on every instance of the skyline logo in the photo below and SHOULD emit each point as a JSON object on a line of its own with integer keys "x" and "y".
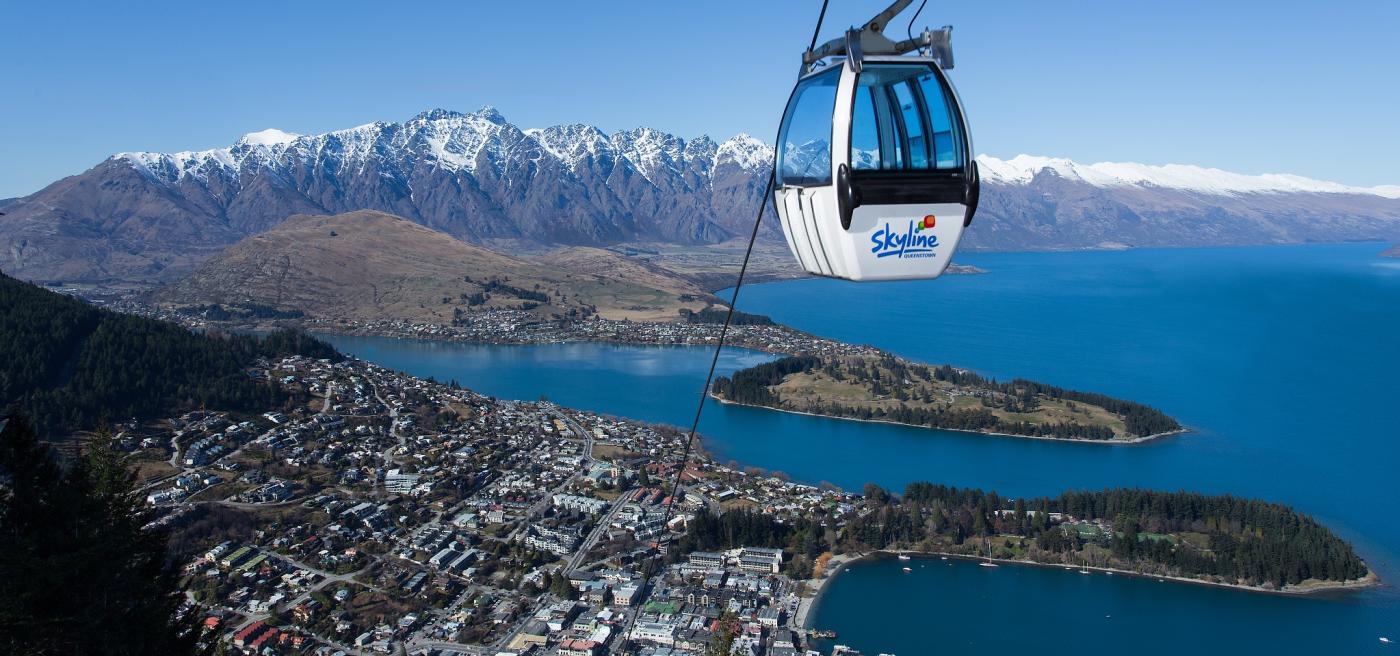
{"x": 910, "y": 243}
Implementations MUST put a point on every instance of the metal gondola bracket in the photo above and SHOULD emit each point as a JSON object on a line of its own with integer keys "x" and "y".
{"x": 940, "y": 45}
{"x": 870, "y": 39}
{"x": 854, "y": 50}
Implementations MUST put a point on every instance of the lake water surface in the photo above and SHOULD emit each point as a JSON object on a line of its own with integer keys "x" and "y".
{"x": 1284, "y": 361}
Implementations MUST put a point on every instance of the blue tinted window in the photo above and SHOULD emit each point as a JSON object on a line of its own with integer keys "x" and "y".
{"x": 804, "y": 144}
{"x": 946, "y": 147}
{"x": 865, "y": 136}
{"x": 902, "y": 120}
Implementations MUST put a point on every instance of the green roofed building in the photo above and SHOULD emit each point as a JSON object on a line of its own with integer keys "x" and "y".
{"x": 662, "y": 607}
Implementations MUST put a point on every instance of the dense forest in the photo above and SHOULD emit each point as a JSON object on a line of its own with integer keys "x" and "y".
{"x": 69, "y": 365}
{"x": 1235, "y": 540}
{"x": 751, "y": 386}
{"x": 242, "y": 312}
{"x": 83, "y": 571}
{"x": 499, "y": 286}
{"x": 714, "y": 314}
{"x": 806, "y": 539}
{"x": 1221, "y": 538}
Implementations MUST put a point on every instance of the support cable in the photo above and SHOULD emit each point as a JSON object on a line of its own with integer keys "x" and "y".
{"x": 704, "y": 396}
{"x": 714, "y": 362}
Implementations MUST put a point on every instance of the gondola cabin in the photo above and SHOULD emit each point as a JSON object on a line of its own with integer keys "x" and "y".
{"x": 875, "y": 177}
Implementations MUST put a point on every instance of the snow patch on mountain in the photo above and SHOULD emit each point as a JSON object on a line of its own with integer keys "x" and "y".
{"x": 268, "y": 137}
{"x": 746, "y": 152}
{"x": 574, "y": 143}
{"x": 1022, "y": 169}
{"x": 652, "y": 151}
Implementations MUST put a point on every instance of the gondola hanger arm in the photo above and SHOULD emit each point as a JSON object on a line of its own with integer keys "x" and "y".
{"x": 870, "y": 39}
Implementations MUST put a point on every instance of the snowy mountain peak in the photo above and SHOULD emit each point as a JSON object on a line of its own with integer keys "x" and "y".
{"x": 268, "y": 137}
{"x": 573, "y": 143}
{"x": 652, "y": 151}
{"x": 489, "y": 113}
{"x": 700, "y": 151}
{"x": 437, "y": 114}
{"x": 746, "y": 152}
{"x": 1024, "y": 169}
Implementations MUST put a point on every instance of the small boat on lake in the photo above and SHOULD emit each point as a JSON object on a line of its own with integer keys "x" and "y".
{"x": 1385, "y": 640}
{"x": 1084, "y": 571}
{"x": 904, "y": 556}
{"x": 987, "y": 563}
{"x": 906, "y": 569}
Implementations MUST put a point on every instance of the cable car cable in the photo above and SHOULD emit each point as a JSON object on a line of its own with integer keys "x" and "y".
{"x": 704, "y": 391}
{"x": 821, "y": 16}
{"x": 909, "y": 29}
{"x": 714, "y": 359}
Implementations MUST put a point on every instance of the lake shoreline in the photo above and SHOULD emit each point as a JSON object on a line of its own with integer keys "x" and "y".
{"x": 1115, "y": 441}
{"x": 738, "y": 340}
{"x": 806, "y": 608}
{"x": 773, "y": 339}
{"x": 842, "y": 562}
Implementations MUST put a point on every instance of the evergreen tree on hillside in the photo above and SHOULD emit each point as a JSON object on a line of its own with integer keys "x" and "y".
{"x": 72, "y": 366}
{"x": 78, "y": 573}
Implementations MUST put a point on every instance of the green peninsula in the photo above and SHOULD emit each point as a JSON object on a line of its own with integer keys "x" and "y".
{"x": 882, "y": 387}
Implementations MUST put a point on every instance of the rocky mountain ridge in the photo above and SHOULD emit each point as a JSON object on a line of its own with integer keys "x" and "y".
{"x": 153, "y": 217}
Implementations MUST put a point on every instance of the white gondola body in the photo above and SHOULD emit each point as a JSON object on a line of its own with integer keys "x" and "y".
{"x": 885, "y": 240}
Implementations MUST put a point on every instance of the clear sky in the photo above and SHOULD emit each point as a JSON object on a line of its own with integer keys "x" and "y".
{"x": 1311, "y": 88}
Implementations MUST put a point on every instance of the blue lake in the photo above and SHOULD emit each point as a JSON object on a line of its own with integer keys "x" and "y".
{"x": 1282, "y": 359}
{"x": 956, "y": 606}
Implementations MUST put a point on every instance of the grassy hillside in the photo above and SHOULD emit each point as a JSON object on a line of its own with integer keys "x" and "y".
{"x": 891, "y": 389}
{"x": 375, "y": 266}
{"x": 69, "y": 365}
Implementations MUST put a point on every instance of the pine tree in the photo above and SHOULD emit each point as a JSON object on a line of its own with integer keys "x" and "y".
{"x": 80, "y": 573}
{"x": 561, "y": 588}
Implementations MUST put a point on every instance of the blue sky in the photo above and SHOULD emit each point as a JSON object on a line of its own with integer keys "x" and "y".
{"x": 1311, "y": 88}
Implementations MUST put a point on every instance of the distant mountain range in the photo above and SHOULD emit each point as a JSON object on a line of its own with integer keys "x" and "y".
{"x": 1032, "y": 203}
{"x": 155, "y": 216}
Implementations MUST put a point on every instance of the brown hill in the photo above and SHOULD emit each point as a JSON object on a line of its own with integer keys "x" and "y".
{"x": 370, "y": 265}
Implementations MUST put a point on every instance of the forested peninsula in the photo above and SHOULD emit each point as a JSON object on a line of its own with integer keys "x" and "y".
{"x": 1216, "y": 539}
{"x": 886, "y": 388}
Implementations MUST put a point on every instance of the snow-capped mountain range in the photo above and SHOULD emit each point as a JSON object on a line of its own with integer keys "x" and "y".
{"x": 1023, "y": 169}
{"x": 476, "y": 176}
{"x": 457, "y": 143}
